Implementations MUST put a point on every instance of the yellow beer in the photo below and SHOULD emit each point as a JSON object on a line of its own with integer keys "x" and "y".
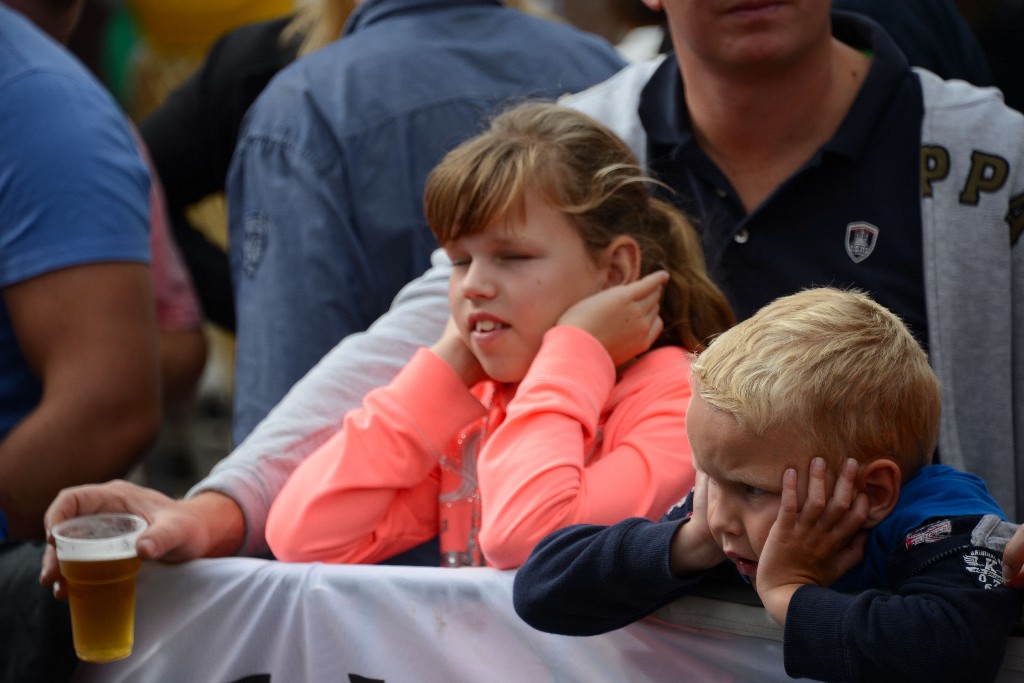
{"x": 102, "y": 597}
{"x": 98, "y": 561}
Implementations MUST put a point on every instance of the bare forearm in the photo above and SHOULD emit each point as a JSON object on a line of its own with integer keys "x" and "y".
{"x": 89, "y": 334}
{"x": 58, "y": 446}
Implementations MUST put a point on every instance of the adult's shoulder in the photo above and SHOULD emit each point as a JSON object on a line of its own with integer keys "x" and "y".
{"x": 629, "y": 81}
{"x": 251, "y": 45}
{"x": 974, "y": 129}
{"x": 241, "y": 63}
{"x": 615, "y": 102}
{"x": 966, "y": 102}
{"x": 61, "y": 111}
{"x": 68, "y": 163}
{"x": 42, "y": 84}
{"x": 202, "y": 117}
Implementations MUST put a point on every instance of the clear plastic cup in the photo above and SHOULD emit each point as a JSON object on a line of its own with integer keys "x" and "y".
{"x": 98, "y": 561}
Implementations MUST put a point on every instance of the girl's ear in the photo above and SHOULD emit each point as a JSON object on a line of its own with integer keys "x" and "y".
{"x": 880, "y": 481}
{"x": 621, "y": 261}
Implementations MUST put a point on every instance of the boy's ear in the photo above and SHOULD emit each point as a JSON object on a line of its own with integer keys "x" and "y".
{"x": 621, "y": 261}
{"x": 879, "y": 480}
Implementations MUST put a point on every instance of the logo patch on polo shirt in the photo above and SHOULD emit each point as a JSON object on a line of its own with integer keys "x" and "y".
{"x": 935, "y": 531}
{"x": 861, "y": 238}
{"x": 985, "y": 566}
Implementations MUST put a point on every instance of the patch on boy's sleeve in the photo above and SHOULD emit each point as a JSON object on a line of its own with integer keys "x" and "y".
{"x": 985, "y": 566}
{"x": 985, "y": 560}
{"x": 929, "y": 533}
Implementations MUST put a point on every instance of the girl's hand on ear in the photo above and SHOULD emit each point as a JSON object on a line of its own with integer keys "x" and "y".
{"x": 453, "y": 350}
{"x": 624, "y": 318}
{"x": 815, "y": 545}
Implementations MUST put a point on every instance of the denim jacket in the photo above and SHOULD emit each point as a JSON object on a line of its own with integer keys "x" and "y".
{"x": 325, "y": 189}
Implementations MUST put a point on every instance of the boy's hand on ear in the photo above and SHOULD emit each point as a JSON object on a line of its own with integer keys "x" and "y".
{"x": 815, "y": 545}
{"x": 624, "y": 318}
{"x": 693, "y": 546}
{"x": 452, "y": 349}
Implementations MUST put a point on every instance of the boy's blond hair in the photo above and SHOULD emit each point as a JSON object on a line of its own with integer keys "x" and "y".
{"x": 834, "y": 366}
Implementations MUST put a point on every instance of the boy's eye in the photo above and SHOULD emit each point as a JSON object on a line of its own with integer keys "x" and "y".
{"x": 513, "y": 257}
{"x": 456, "y": 261}
{"x": 753, "y": 491}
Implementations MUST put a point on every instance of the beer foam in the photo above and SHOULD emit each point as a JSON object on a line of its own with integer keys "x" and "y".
{"x": 98, "y": 537}
{"x": 83, "y": 550}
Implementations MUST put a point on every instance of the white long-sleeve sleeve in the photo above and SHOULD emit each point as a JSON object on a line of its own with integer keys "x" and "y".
{"x": 313, "y": 409}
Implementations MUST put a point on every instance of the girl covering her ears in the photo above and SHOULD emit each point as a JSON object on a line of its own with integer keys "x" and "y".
{"x": 558, "y": 392}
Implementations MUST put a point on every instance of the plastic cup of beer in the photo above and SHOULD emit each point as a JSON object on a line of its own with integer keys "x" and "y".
{"x": 99, "y": 564}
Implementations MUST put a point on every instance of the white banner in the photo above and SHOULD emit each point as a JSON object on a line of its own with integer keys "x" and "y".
{"x": 254, "y": 621}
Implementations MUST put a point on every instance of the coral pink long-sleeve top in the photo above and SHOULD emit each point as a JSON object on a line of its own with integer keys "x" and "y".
{"x": 496, "y": 468}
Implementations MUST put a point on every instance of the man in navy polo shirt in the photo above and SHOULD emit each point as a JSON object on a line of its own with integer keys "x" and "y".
{"x": 79, "y": 380}
{"x": 810, "y": 153}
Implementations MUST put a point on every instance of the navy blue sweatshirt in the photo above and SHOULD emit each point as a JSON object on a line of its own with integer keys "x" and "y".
{"x": 930, "y": 585}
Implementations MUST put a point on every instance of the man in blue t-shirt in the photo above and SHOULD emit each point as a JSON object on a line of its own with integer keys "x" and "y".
{"x": 79, "y": 383}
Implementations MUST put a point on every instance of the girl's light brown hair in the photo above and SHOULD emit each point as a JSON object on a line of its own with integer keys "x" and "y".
{"x": 586, "y": 172}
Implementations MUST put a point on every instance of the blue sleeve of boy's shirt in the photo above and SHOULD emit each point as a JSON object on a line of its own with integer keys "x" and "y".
{"x": 943, "y": 592}
{"x": 3, "y": 525}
